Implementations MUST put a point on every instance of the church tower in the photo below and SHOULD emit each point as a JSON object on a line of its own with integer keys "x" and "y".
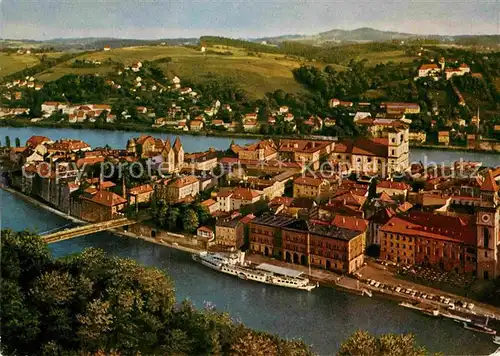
{"x": 131, "y": 146}
{"x": 488, "y": 230}
{"x": 179, "y": 154}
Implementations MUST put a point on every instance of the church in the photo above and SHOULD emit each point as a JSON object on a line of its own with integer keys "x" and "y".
{"x": 169, "y": 157}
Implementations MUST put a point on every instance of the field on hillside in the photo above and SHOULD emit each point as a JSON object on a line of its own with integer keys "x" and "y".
{"x": 13, "y": 62}
{"x": 60, "y": 70}
{"x": 254, "y": 74}
{"x": 374, "y": 58}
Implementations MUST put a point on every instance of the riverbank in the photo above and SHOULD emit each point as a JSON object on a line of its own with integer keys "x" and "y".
{"x": 353, "y": 285}
{"x": 452, "y": 148}
{"x": 42, "y": 205}
{"x": 325, "y": 278}
{"x": 211, "y": 133}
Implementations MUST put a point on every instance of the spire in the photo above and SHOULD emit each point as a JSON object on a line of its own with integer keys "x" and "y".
{"x": 489, "y": 184}
{"x": 177, "y": 144}
{"x": 167, "y": 145}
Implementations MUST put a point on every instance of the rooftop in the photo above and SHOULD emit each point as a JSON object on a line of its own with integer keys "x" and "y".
{"x": 279, "y": 270}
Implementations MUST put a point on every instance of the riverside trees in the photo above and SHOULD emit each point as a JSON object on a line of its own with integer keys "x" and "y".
{"x": 91, "y": 303}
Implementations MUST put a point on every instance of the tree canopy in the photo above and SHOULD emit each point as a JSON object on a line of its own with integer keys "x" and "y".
{"x": 361, "y": 343}
{"x": 92, "y": 303}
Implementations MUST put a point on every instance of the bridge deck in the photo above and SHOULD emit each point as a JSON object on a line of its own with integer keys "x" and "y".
{"x": 87, "y": 229}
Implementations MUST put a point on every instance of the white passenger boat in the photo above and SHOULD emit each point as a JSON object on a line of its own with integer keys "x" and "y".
{"x": 265, "y": 273}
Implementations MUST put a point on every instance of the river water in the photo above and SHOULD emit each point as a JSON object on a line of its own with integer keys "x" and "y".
{"x": 118, "y": 139}
{"x": 323, "y": 318}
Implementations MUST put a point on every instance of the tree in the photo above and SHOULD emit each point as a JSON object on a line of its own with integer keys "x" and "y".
{"x": 172, "y": 217}
{"x": 190, "y": 220}
{"x": 203, "y": 214}
{"x": 162, "y": 215}
{"x": 361, "y": 343}
{"x": 94, "y": 304}
{"x": 7, "y": 141}
{"x": 18, "y": 142}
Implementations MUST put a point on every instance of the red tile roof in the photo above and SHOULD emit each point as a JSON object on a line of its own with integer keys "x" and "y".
{"x": 313, "y": 182}
{"x": 245, "y": 194}
{"x": 393, "y": 185}
{"x": 448, "y": 228}
{"x": 350, "y": 199}
{"x": 34, "y": 141}
{"x": 106, "y": 185}
{"x": 362, "y": 146}
{"x": 350, "y": 223}
{"x": 246, "y": 219}
{"x": 428, "y": 66}
{"x": 141, "y": 189}
{"x": 106, "y": 198}
{"x": 208, "y": 202}
{"x": 489, "y": 184}
{"x": 185, "y": 181}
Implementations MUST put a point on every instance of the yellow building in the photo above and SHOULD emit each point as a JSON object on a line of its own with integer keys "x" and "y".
{"x": 444, "y": 137}
{"x": 180, "y": 189}
{"x": 140, "y": 194}
{"x": 394, "y": 246}
{"x": 229, "y": 233}
{"x": 307, "y": 187}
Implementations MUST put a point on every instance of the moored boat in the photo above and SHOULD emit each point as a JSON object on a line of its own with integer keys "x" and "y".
{"x": 235, "y": 265}
{"x": 410, "y": 306}
{"x": 479, "y": 328}
{"x": 431, "y": 312}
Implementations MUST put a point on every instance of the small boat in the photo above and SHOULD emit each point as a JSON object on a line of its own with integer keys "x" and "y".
{"x": 496, "y": 340}
{"x": 367, "y": 292}
{"x": 456, "y": 318}
{"x": 433, "y": 312}
{"x": 479, "y": 328}
{"x": 410, "y": 306}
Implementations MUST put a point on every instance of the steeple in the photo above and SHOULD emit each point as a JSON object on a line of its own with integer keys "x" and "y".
{"x": 489, "y": 184}
{"x": 167, "y": 146}
{"x": 131, "y": 146}
{"x": 177, "y": 144}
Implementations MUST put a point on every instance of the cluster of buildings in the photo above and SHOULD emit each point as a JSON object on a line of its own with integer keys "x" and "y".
{"x": 78, "y": 113}
{"x": 439, "y": 70}
{"x": 29, "y": 83}
{"x": 290, "y": 198}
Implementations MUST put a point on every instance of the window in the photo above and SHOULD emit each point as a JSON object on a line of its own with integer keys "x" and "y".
{"x": 486, "y": 237}
{"x": 486, "y": 254}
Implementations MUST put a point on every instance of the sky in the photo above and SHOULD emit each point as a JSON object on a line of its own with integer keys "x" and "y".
{"x": 153, "y": 19}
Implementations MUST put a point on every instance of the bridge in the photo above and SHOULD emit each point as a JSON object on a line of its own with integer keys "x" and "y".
{"x": 51, "y": 237}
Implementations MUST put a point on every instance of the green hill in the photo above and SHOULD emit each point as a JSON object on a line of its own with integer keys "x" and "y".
{"x": 256, "y": 74}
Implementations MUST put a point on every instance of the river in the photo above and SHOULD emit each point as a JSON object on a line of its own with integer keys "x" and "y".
{"x": 323, "y": 318}
{"x": 118, "y": 139}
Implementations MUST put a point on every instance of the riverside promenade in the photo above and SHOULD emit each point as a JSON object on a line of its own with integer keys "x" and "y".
{"x": 372, "y": 271}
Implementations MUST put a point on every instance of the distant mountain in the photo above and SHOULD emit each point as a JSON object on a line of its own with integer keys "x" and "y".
{"x": 364, "y": 34}
{"x": 91, "y": 43}
{"x": 367, "y": 34}
{"x": 336, "y": 36}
